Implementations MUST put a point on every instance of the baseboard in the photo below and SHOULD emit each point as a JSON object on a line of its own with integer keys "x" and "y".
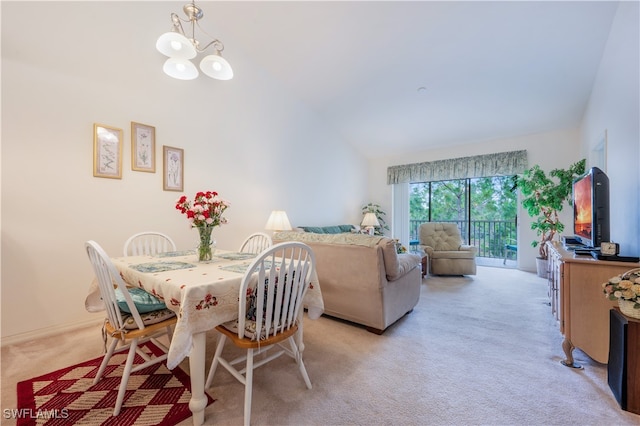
{"x": 49, "y": 331}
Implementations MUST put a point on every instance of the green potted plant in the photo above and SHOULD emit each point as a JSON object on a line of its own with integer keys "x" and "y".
{"x": 377, "y": 210}
{"x": 544, "y": 197}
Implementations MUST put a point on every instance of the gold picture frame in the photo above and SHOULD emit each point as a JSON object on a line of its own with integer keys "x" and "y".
{"x": 143, "y": 147}
{"x": 107, "y": 151}
{"x": 173, "y": 168}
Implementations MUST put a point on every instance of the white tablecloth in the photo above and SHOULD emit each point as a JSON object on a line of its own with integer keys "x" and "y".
{"x": 203, "y": 295}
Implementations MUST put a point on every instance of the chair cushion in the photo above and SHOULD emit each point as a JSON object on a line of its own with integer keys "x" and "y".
{"x": 456, "y": 254}
{"x": 252, "y": 292}
{"x": 148, "y": 318}
{"x": 249, "y": 329}
{"x": 250, "y": 317}
{"x": 144, "y": 301}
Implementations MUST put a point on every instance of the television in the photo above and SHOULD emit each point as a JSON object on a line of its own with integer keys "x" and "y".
{"x": 591, "y": 208}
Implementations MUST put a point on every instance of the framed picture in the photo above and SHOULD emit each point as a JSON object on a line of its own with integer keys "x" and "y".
{"x": 143, "y": 147}
{"x": 107, "y": 151}
{"x": 173, "y": 162}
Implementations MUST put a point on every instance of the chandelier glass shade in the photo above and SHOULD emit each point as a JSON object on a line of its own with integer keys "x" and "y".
{"x": 182, "y": 69}
{"x": 180, "y": 49}
{"x": 215, "y": 66}
{"x": 176, "y": 45}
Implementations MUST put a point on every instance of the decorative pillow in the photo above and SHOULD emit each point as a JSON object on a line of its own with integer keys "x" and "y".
{"x": 144, "y": 301}
{"x": 314, "y": 229}
{"x": 148, "y": 318}
{"x": 346, "y": 228}
{"x": 331, "y": 229}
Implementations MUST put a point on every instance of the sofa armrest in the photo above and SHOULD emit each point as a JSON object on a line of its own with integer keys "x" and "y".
{"x": 396, "y": 265}
{"x": 406, "y": 262}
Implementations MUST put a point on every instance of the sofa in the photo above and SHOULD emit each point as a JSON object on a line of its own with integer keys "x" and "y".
{"x": 362, "y": 278}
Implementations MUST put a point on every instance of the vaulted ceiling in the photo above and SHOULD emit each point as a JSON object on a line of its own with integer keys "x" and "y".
{"x": 388, "y": 76}
{"x": 406, "y": 76}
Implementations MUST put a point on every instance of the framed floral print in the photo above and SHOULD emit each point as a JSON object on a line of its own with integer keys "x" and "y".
{"x": 143, "y": 147}
{"x": 173, "y": 162}
{"x": 107, "y": 151}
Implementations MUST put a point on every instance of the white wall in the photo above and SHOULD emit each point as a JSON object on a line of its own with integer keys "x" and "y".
{"x": 550, "y": 150}
{"x": 246, "y": 138}
{"x": 614, "y": 106}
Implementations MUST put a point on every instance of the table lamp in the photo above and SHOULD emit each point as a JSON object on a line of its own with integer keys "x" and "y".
{"x": 278, "y": 221}
{"x": 369, "y": 222}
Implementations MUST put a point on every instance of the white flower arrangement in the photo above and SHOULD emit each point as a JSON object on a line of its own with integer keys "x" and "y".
{"x": 624, "y": 287}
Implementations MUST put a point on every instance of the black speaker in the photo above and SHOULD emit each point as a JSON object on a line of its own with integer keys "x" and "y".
{"x": 617, "y": 365}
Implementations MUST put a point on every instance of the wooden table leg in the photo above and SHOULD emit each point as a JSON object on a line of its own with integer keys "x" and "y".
{"x": 567, "y": 347}
{"x": 198, "y": 401}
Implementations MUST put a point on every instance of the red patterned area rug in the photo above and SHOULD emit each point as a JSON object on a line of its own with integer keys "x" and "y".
{"x": 154, "y": 396}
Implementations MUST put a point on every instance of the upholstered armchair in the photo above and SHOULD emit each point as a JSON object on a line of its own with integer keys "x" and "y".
{"x": 446, "y": 255}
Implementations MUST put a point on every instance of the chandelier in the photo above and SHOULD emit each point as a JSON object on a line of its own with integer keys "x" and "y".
{"x": 179, "y": 48}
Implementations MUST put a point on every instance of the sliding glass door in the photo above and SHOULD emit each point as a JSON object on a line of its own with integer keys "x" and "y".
{"x": 483, "y": 208}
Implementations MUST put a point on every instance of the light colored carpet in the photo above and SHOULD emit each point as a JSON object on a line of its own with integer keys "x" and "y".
{"x": 481, "y": 350}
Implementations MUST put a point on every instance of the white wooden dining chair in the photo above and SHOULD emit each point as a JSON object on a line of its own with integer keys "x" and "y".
{"x": 270, "y": 309}
{"x": 256, "y": 243}
{"x": 129, "y": 329}
{"x": 148, "y": 243}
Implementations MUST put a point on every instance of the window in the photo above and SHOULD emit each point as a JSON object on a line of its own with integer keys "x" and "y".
{"x": 485, "y": 210}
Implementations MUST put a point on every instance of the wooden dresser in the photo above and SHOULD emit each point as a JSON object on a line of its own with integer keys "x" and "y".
{"x": 578, "y": 303}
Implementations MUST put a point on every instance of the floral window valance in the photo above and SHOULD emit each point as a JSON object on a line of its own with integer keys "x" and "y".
{"x": 498, "y": 164}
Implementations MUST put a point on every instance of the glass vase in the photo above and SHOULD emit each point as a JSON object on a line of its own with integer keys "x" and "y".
{"x": 206, "y": 244}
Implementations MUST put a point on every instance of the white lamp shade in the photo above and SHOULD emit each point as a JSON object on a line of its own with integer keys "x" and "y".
{"x": 182, "y": 69}
{"x": 370, "y": 219}
{"x": 215, "y": 66}
{"x": 175, "y": 45}
{"x": 278, "y": 221}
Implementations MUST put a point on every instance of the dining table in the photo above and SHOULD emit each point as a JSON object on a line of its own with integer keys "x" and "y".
{"x": 203, "y": 295}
